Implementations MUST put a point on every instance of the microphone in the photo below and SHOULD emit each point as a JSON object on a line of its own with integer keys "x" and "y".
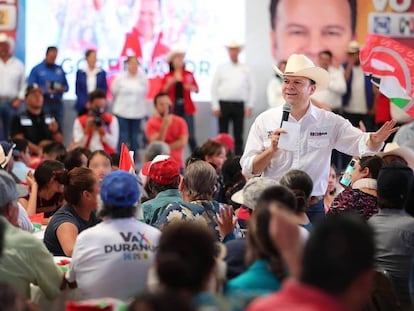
{"x": 286, "y": 111}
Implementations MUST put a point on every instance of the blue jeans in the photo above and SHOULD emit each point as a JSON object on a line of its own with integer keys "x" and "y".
{"x": 189, "y": 119}
{"x": 316, "y": 212}
{"x": 56, "y": 109}
{"x": 129, "y": 131}
{"x": 6, "y": 113}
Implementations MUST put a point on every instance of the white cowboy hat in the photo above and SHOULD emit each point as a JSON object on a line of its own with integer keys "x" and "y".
{"x": 401, "y": 151}
{"x": 353, "y": 47}
{"x": 301, "y": 66}
{"x": 233, "y": 44}
{"x": 4, "y": 37}
{"x": 173, "y": 53}
{"x": 251, "y": 191}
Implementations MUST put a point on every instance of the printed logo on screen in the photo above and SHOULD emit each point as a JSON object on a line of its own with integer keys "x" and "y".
{"x": 382, "y": 25}
{"x": 407, "y": 26}
{"x": 397, "y": 25}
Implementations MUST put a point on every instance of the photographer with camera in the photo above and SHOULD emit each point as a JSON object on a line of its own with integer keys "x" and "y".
{"x": 96, "y": 129}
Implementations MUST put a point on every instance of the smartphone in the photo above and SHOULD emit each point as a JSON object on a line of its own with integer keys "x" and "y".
{"x": 346, "y": 179}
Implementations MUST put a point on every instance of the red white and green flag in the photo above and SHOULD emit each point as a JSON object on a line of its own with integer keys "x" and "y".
{"x": 126, "y": 162}
{"x": 393, "y": 62}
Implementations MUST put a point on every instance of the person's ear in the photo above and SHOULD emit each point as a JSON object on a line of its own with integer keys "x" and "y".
{"x": 87, "y": 195}
{"x": 181, "y": 185}
{"x": 312, "y": 89}
{"x": 365, "y": 172}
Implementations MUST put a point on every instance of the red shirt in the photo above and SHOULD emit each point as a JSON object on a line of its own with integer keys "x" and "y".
{"x": 188, "y": 79}
{"x": 175, "y": 131}
{"x": 296, "y": 296}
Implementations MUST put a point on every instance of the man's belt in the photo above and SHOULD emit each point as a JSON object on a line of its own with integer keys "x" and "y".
{"x": 237, "y": 102}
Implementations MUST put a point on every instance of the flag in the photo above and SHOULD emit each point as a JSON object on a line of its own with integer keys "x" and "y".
{"x": 393, "y": 63}
{"x": 126, "y": 162}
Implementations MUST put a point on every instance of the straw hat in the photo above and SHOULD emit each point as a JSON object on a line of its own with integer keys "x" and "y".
{"x": 401, "y": 151}
{"x": 233, "y": 44}
{"x": 301, "y": 66}
{"x": 353, "y": 47}
{"x": 173, "y": 53}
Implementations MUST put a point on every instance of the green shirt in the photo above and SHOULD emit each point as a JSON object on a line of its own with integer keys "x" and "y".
{"x": 26, "y": 260}
{"x": 153, "y": 208}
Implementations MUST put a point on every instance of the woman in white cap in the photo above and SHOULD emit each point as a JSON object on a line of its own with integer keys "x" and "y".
{"x": 179, "y": 83}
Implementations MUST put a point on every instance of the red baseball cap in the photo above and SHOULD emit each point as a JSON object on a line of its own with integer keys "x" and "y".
{"x": 225, "y": 139}
{"x": 163, "y": 169}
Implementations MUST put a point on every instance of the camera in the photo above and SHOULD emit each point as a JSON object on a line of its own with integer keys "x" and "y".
{"x": 97, "y": 117}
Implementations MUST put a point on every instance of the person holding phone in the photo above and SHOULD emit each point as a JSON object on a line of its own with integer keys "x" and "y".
{"x": 360, "y": 195}
{"x": 52, "y": 80}
{"x": 167, "y": 127}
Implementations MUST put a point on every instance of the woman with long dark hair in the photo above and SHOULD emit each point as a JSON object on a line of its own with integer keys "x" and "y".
{"x": 46, "y": 189}
{"x": 81, "y": 194}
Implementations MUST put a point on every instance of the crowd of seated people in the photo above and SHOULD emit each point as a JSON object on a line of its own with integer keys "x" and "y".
{"x": 197, "y": 233}
{"x": 92, "y": 209}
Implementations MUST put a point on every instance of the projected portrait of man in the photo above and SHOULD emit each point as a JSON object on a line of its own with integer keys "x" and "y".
{"x": 309, "y": 27}
{"x": 146, "y": 42}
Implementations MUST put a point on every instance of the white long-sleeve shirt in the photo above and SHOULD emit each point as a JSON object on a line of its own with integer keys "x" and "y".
{"x": 332, "y": 96}
{"x": 320, "y": 132}
{"x": 129, "y": 96}
{"x": 96, "y": 142}
{"x": 232, "y": 82}
{"x": 12, "y": 78}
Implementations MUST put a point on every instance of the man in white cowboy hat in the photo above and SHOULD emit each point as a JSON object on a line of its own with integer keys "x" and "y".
{"x": 12, "y": 84}
{"x": 318, "y": 133}
{"x": 358, "y": 100}
{"x": 232, "y": 94}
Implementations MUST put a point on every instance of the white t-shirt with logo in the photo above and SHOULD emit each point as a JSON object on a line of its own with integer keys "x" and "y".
{"x": 112, "y": 259}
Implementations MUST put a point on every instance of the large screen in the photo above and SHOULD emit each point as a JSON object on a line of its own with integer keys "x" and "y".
{"x": 148, "y": 29}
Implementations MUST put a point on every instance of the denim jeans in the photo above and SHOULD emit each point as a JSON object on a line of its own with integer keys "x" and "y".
{"x": 129, "y": 131}
{"x": 56, "y": 109}
{"x": 189, "y": 119}
{"x": 316, "y": 212}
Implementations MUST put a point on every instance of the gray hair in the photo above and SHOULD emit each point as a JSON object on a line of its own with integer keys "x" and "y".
{"x": 156, "y": 148}
{"x": 199, "y": 180}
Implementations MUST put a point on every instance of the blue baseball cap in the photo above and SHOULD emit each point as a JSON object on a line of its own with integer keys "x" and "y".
{"x": 120, "y": 189}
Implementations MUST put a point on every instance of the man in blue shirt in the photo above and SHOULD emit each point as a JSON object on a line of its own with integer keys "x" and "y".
{"x": 52, "y": 80}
